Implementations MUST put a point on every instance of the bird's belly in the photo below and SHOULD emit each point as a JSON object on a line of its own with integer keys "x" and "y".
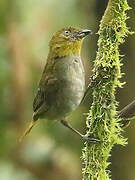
{"x": 70, "y": 93}
{"x": 70, "y": 96}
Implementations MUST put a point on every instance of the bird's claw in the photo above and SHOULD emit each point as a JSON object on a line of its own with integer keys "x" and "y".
{"x": 90, "y": 139}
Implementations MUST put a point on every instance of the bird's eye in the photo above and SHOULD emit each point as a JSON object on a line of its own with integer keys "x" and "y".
{"x": 67, "y": 32}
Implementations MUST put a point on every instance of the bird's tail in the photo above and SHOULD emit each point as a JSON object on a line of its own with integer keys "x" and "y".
{"x": 27, "y": 131}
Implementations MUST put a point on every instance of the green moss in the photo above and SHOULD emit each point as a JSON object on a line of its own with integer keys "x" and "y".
{"x": 102, "y": 122}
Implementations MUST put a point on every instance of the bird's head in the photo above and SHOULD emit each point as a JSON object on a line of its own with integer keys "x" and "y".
{"x": 67, "y": 41}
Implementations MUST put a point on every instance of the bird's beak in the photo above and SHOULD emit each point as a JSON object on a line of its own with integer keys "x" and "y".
{"x": 84, "y": 33}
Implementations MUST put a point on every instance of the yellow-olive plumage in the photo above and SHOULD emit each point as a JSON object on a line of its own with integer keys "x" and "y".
{"x": 62, "y": 84}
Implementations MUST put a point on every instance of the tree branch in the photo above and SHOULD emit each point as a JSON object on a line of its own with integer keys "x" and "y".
{"x": 103, "y": 122}
{"x": 128, "y": 111}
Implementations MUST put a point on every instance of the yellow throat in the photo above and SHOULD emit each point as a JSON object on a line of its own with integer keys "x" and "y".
{"x": 65, "y": 48}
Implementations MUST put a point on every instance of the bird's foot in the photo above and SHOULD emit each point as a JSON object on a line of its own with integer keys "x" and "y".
{"x": 90, "y": 139}
{"x": 125, "y": 123}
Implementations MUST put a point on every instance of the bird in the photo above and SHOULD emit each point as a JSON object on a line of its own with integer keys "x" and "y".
{"x": 62, "y": 85}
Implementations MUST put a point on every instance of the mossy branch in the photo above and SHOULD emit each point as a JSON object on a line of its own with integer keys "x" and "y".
{"x": 102, "y": 121}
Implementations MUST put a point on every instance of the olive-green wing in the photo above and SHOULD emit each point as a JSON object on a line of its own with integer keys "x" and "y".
{"x": 46, "y": 93}
{"x": 39, "y": 99}
{"x": 46, "y": 90}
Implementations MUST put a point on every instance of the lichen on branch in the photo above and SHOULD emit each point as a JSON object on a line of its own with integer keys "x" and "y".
{"x": 102, "y": 122}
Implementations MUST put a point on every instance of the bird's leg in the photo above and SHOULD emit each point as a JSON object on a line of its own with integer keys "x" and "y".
{"x": 86, "y": 138}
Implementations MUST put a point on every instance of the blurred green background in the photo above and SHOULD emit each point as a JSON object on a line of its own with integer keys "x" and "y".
{"x": 50, "y": 151}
